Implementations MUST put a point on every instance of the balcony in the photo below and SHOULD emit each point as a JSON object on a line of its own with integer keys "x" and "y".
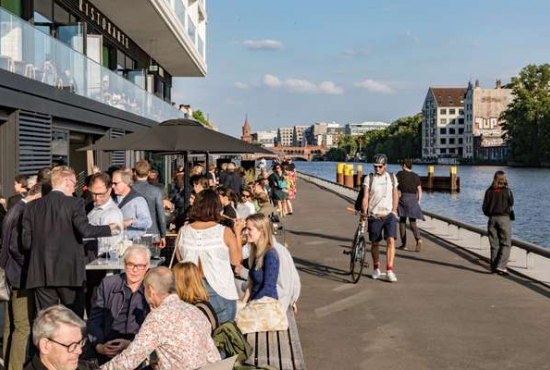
{"x": 26, "y": 51}
{"x": 161, "y": 29}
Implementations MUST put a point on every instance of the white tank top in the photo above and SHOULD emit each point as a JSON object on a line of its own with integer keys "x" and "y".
{"x": 209, "y": 246}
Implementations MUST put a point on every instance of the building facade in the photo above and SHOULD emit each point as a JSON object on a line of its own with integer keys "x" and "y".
{"x": 75, "y": 71}
{"x": 298, "y": 137}
{"x": 267, "y": 139}
{"x": 482, "y": 109}
{"x": 285, "y": 136}
{"x": 443, "y": 124}
{"x": 358, "y": 129}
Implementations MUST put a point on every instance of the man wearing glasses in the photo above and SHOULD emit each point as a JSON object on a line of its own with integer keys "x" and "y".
{"x": 58, "y": 335}
{"x": 120, "y": 306}
{"x": 380, "y": 202}
{"x": 105, "y": 212}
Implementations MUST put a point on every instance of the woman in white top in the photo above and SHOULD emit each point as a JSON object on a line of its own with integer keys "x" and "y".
{"x": 214, "y": 248}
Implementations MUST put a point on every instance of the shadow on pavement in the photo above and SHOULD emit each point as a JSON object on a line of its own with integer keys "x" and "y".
{"x": 322, "y": 271}
{"x": 318, "y": 235}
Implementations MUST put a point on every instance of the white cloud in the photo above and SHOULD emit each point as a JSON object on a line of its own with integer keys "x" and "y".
{"x": 302, "y": 85}
{"x": 263, "y": 45}
{"x": 374, "y": 86}
{"x": 355, "y": 52}
{"x": 242, "y": 85}
{"x": 272, "y": 81}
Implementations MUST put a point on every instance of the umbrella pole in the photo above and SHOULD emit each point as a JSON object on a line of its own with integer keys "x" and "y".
{"x": 207, "y": 163}
{"x": 187, "y": 191}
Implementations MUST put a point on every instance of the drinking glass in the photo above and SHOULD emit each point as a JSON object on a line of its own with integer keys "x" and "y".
{"x": 155, "y": 246}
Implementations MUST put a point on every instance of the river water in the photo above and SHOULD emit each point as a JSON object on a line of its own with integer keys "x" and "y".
{"x": 529, "y": 185}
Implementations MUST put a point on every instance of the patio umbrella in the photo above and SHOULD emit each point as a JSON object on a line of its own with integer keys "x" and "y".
{"x": 179, "y": 136}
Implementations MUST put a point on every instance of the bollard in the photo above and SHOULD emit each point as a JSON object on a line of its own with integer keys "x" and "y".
{"x": 340, "y": 173}
{"x": 430, "y": 183}
{"x": 452, "y": 178}
{"x": 348, "y": 175}
{"x": 358, "y": 176}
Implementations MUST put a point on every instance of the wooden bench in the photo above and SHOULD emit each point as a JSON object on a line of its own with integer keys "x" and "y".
{"x": 280, "y": 349}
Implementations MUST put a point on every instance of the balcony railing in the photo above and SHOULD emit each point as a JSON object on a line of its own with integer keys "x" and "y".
{"x": 26, "y": 51}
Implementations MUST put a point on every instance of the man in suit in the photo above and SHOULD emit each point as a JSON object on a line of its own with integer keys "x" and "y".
{"x": 53, "y": 228}
{"x": 15, "y": 262}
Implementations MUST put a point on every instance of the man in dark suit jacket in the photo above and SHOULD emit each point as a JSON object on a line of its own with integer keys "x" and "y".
{"x": 53, "y": 228}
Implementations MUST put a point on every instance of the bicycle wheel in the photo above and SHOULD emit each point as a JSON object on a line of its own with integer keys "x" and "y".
{"x": 358, "y": 255}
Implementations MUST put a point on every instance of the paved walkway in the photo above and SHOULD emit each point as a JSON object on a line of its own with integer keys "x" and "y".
{"x": 445, "y": 312}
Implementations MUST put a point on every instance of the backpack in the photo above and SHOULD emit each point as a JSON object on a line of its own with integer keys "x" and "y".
{"x": 359, "y": 201}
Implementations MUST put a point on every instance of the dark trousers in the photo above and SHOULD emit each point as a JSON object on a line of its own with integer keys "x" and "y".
{"x": 500, "y": 239}
{"x": 71, "y": 297}
{"x": 19, "y": 313}
{"x": 403, "y": 229}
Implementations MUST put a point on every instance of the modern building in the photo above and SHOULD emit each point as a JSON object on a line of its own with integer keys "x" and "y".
{"x": 285, "y": 136}
{"x": 267, "y": 139}
{"x": 357, "y": 129}
{"x": 73, "y": 72}
{"x": 482, "y": 110}
{"x": 443, "y": 124}
{"x": 246, "y": 137}
{"x": 298, "y": 138}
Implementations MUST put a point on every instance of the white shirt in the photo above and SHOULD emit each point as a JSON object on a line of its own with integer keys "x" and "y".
{"x": 208, "y": 246}
{"x": 104, "y": 215}
{"x": 381, "y": 194}
{"x": 245, "y": 209}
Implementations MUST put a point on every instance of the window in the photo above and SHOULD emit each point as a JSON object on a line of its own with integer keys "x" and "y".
{"x": 443, "y": 150}
{"x": 60, "y": 14}
{"x": 451, "y": 140}
{"x": 451, "y": 131}
{"x": 460, "y": 141}
{"x": 44, "y": 8}
{"x": 442, "y": 131}
{"x": 13, "y": 6}
{"x": 452, "y": 111}
{"x": 443, "y": 121}
{"x": 452, "y": 150}
{"x": 461, "y": 112}
{"x": 461, "y": 121}
{"x": 443, "y": 111}
{"x": 460, "y": 131}
{"x": 443, "y": 141}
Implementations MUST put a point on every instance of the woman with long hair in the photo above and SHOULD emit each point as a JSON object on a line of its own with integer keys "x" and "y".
{"x": 191, "y": 289}
{"x": 228, "y": 199}
{"x": 278, "y": 185}
{"x": 497, "y": 205}
{"x": 213, "y": 248}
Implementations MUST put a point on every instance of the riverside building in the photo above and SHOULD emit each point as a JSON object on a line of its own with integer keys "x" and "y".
{"x": 443, "y": 124}
{"x": 482, "y": 109}
{"x": 285, "y": 136}
{"x": 266, "y": 138}
{"x": 73, "y": 72}
{"x": 358, "y": 129}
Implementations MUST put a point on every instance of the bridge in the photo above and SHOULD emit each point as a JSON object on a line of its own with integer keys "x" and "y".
{"x": 304, "y": 153}
{"x": 445, "y": 312}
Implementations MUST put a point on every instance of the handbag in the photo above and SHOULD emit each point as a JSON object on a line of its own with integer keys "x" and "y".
{"x": 5, "y": 287}
{"x": 264, "y": 314}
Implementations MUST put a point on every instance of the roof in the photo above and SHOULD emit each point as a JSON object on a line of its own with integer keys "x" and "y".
{"x": 449, "y": 97}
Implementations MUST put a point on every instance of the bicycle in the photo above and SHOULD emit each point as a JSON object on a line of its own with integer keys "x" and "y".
{"x": 358, "y": 252}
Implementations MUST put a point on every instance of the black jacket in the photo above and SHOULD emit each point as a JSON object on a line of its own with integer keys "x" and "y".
{"x": 497, "y": 202}
{"x": 53, "y": 228}
{"x": 13, "y": 259}
{"x": 234, "y": 182}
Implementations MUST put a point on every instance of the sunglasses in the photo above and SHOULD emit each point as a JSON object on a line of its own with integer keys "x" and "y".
{"x": 378, "y": 165}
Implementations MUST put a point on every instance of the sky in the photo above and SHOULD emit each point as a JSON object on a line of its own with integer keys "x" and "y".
{"x": 286, "y": 63}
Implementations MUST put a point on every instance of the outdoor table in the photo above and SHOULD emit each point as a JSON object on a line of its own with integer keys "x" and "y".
{"x": 111, "y": 268}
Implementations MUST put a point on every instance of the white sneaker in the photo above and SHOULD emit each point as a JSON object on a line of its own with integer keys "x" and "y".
{"x": 390, "y": 276}
{"x": 376, "y": 274}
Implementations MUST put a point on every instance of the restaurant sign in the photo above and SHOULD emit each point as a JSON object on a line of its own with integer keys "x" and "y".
{"x": 98, "y": 18}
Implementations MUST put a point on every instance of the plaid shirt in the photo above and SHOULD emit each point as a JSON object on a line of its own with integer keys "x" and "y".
{"x": 178, "y": 332}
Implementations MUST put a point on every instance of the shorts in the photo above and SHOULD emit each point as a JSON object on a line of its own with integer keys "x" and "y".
{"x": 377, "y": 225}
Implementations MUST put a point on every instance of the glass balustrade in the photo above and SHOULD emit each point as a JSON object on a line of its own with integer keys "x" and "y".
{"x": 26, "y": 51}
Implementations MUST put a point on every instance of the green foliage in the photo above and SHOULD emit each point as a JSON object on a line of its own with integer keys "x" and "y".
{"x": 401, "y": 140}
{"x": 527, "y": 119}
{"x": 199, "y": 116}
{"x": 336, "y": 155}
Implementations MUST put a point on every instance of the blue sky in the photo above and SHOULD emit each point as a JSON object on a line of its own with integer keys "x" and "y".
{"x": 288, "y": 63}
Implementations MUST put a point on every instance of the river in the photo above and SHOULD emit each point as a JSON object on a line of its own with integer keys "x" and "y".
{"x": 529, "y": 185}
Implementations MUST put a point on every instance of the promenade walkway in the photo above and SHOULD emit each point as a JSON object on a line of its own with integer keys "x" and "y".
{"x": 445, "y": 312}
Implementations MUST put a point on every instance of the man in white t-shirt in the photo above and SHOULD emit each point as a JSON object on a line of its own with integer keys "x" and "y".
{"x": 380, "y": 204}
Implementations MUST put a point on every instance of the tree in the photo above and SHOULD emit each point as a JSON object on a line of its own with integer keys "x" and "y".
{"x": 349, "y": 145}
{"x": 527, "y": 119}
{"x": 199, "y": 116}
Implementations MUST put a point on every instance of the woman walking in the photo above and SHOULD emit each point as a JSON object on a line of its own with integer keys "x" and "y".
{"x": 410, "y": 190}
{"x": 497, "y": 205}
{"x": 278, "y": 184}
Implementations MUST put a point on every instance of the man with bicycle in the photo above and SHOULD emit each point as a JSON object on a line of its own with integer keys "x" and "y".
{"x": 380, "y": 202}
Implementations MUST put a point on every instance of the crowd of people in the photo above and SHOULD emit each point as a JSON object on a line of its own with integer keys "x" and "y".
{"x": 229, "y": 269}
{"x": 388, "y": 200}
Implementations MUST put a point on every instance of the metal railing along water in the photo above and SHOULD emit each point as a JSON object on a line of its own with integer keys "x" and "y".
{"x": 29, "y": 52}
{"x": 464, "y": 235}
